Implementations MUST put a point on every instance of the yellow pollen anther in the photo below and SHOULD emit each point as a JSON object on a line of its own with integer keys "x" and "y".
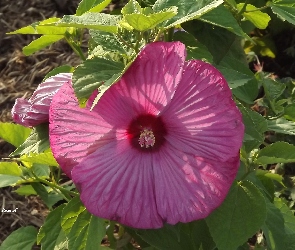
{"x": 147, "y": 138}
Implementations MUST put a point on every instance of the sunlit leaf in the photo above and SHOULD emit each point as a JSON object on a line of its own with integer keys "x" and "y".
{"x": 41, "y": 43}
{"x": 99, "y": 21}
{"x": 10, "y": 168}
{"x": 187, "y": 9}
{"x": 49, "y": 232}
{"x": 13, "y": 133}
{"x": 91, "y": 74}
{"x": 91, "y": 6}
{"x": 285, "y": 9}
{"x": 278, "y": 152}
{"x": 254, "y": 15}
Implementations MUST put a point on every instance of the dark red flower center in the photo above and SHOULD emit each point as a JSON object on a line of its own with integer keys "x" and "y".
{"x": 147, "y": 132}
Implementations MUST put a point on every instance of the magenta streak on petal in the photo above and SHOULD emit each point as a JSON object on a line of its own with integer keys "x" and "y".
{"x": 75, "y": 132}
{"x": 202, "y": 116}
{"x": 189, "y": 188}
{"x": 117, "y": 182}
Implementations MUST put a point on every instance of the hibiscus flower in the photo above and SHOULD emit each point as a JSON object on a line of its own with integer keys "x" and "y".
{"x": 161, "y": 145}
{"x": 34, "y": 111}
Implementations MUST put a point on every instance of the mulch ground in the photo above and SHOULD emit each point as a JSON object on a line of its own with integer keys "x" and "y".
{"x": 19, "y": 76}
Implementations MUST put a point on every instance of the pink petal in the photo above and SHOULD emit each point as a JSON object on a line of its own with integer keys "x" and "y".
{"x": 117, "y": 182}
{"x": 188, "y": 187}
{"x": 35, "y": 111}
{"x": 147, "y": 86}
{"x": 75, "y": 132}
{"x": 202, "y": 119}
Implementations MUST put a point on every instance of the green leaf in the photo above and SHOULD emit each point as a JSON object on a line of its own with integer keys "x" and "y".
{"x": 244, "y": 203}
{"x": 60, "y": 69}
{"x": 193, "y": 235}
{"x": 228, "y": 55}
{"x": 187, "y": 9}
{"x": 25, "y": 190}
{"x": 273, "y": 228}
{"x": 281, "y": 126}
{"x": 37, "y": 142}
{"x": 273, "y": 89}
{"x": 13, "y": 133}
{"x": 10, "y": 168}
{"x": 49, "y": 232}
{"x": 107, "y": 41}
{"x": 41, "y": 191}
{"x": 142, "y": 22}
{"x": 131, "y": 7}
{"x": 289, "y": 222}
{"x": 21, "y": 239}
{"x": 91, "y": 6}
{"x": 87, "y": 232}
{"x": 223, "y": 18}
{"x": 195, "y": 49}
{"x": 255, "y": 126}
{"x": 42, "y": 171}
{"x": 285, "y": 9}
{"x": 41, "y": 43}
{"x": 99, "y": 21}
{"x": 45, "y": 27}
{"x": 278, "y": 152}
{"x": 247, "y": 92}
{"x": 289, "y": 112}
{"x": 70, "y": 214}
{"x": 255, "y": 16}
{"x": 41, "y": 158}
{"x": 8, "y": 180}
{"x": 91, "y": 74}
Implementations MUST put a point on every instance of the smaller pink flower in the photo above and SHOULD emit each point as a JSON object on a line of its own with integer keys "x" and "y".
{"x": 35, "y": 111}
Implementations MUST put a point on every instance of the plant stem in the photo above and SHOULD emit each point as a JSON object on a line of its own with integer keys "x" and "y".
{"x": 76, "y": 49}
{"x": 126, "y": 43}
{"x": 158, "y": 36}
{"x": 55, "y": 187}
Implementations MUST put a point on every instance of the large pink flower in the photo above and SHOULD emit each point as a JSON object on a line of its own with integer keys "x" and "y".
{"x": 35, "y": 110}
{"x": 162, "y": 144}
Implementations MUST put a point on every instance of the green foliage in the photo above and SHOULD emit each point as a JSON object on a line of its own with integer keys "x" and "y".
{"x": 277, "y": 152}
{"x": 223, "y": 18}
{"x": 21, "y": 239}
{"x": 92, "y": 74}
{"x": 91, "y": 6}
{"x": 45, "y": 27}
{"x": 195, "y": 49}
{"x": 10, "y": 168}
{"x": 37, "y": 142}
{"x": 83, "y": 230}
{"x": 91, "y": 20}
{"x": 13, "y": 133}
{"x": 192, "y": 235}
{"x": 285, "y": 9}
{"x": 255, "y": 126}
{"x": 187, "y": 10}
{"x": 254, "y": 15}
{"x": 243, "y": 203}
{"x": 51, "y": 230}
{"x": 41, "y": 43}
{"x": 42, "y": 158}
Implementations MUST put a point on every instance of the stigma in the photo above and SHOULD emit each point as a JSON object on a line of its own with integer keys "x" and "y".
{"x": 147, "y": 138}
